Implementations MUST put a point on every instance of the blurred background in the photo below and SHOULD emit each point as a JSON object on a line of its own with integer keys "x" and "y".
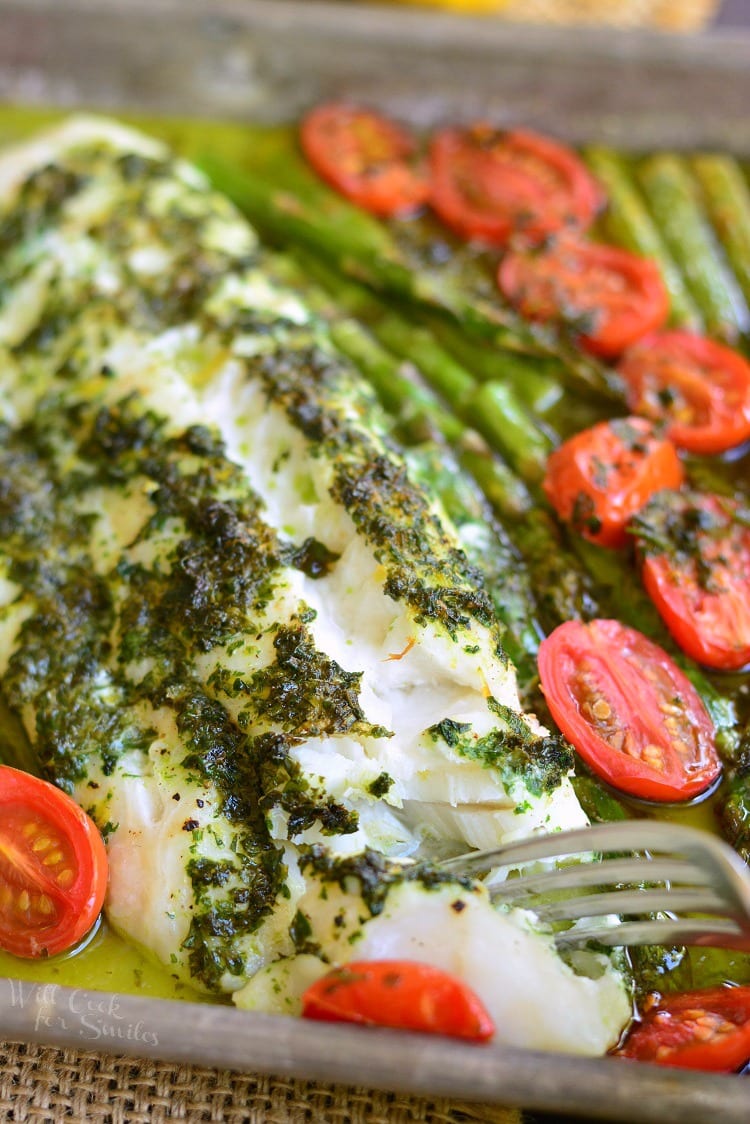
{"x": 667, "y": 15}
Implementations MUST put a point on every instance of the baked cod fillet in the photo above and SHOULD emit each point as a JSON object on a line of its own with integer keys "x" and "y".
{"x": 235, "y": 630}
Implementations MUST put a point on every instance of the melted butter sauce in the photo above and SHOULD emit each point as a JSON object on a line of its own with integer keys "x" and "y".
{"x": 103, "y": 962}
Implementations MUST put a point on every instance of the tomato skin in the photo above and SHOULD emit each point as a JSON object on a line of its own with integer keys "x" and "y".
{"x": 607, "y": 296}
{"x": 366, "y": 157}
{"x": 709, "y": 387}
{"x": 631, "y": 713}
{"x": 65, "y": 897}
{"x": 707, "y": 1029}
{"x": 402, "y": 994}
{"x": 491, "y": 184}
{"x": 701, "y": 582}
{"x": 603, "y": 475}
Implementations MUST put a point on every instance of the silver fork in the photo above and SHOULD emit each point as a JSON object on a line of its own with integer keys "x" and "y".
{"x": 697, "y": 884}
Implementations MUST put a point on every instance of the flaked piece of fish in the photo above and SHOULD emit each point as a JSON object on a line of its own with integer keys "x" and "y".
{"x": 234, "y": 627}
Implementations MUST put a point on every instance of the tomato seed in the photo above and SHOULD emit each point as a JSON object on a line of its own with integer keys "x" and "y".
{"x": 629, "y": 745}
{"x": 601, "y": 709}
{"x": 24, "y": 901}
{"x": 653, "y": 755}
{"x": 41, "y": 844}
{"x": 53, "y": 859}
{"x": 65, "y": 878}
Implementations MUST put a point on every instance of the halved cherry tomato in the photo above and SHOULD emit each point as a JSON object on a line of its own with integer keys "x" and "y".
{"x": 403, "y": 994}
{"x": 696, "y": 568}
{"x": 707, "y": 1029}
{"x": 53, "y": 867}
{"x": 630, "y": 712}
{"x": 598, "y": 479}
{"x": 366, "y": 157}
{"x": 699, "y": 387}
{"x": 608, "y": 297}
{"x": 489, "y": 184}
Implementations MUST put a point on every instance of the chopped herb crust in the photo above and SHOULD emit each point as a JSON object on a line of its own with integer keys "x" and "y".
{"x": 185, "y": 620}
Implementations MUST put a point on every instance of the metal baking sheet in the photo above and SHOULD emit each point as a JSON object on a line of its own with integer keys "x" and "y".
{"x": 266, "y": 60}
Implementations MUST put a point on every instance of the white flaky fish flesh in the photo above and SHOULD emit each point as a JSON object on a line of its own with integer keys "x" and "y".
{"x": 235, "y": 629}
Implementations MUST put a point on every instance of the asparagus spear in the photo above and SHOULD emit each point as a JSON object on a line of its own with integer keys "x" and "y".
{"x": 506, "y": 493}
{"x": 598, "y": 802}
{"x": 487, "y": 546}
{"x": 734, "y": 807}
{"x": 495, "y": 412}
{"x": 672, "y": 195}
{"x": 290, "y": 211}
{"x": 493, "y": 409}
{"x": 535, "y": 379}
{"x": 727, "y": 200}
{"x": 734, "y": 815}
{"x": 628, "y": 223}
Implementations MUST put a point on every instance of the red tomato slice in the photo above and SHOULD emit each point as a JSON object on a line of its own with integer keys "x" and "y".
{"x": 609, "y": 297}
{"x": 489, "y": 184}
{"x": 601, "y": 477}
{"x": 708, "y": 1029}
{"x": 630, "y": 712}
{"x": 366, "y": 157}
{"x": 53, "y": 867}
{"x": 700, "y": 388}
{"x": 402, "y": 994}
{"x": 696, "y": 569}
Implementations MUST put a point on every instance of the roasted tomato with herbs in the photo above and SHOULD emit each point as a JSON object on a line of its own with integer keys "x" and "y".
{"x": 696, "y": 568}
{"x": 607, "y": 297}
{"x": 700, "y": 388}
{"x": 631, "y": 714}
{"x": 707, "y": 1029}
{"x": 490, "y": 184}
{"x": 602, "y": 476}
{"x": 366, "y": 157}
{"x": 53, "y": 868}
{"x": 402, "y": 994}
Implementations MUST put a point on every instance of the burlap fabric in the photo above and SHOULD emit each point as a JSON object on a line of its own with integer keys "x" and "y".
{"x": 39, "y": 1084}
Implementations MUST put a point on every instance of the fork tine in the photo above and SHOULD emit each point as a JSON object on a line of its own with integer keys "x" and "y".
{"x": 628, "y": 902}
{"x": 726, "y": 871}
{"x": 629, "y": 835}
{"x": 700, "y": 875}
{"x": 536, "y": 849}
{"x": 711, "y": 933}
{"x": 603, "y": 873}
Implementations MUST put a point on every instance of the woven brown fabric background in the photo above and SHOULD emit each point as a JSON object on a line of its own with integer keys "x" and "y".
{"x": 40, "y": 1084}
